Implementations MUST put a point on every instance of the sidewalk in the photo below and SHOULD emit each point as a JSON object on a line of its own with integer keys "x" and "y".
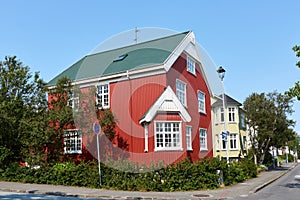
{"x": 231, "y": 192}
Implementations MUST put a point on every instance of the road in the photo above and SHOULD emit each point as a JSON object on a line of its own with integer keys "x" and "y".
{"x": 286, "y": 187}
{"x": 17, "y": 196}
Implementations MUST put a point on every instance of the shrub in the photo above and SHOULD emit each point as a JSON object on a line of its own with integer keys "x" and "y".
{"x": 182, "y": 176}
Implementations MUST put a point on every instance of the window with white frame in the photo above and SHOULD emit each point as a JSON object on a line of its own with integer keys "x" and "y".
{"x": 103, "y": 96}
{"x": 191, "y": 66}
{"x": 233, "y": 141}
{"x": 189, "y": 138}
{"x": 244, "y": 142}
{"x": 222, "y": 116}
{"x": 73, "y": 101}
{"x": 168, "y": 136}
{"x": 72, "y": 141}
{"x": 231, "y": 114}
{"x": 243, "y": 121}
{"x": 224, "y": 141}
{"x": 217, "y": 145}
{"x": 201, "y": 102}
{"x": 203, "y": 139}
{"x": 181, "y": 91}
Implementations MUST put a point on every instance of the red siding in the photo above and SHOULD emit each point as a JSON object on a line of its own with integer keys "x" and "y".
{"x": 131, "y": 99}
{"x": 194, "y": 83}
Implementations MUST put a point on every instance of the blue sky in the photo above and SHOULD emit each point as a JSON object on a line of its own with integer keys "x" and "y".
{"x": 252, "y": 40}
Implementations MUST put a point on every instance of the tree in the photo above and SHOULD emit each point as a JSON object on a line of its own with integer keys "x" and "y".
{"x": 22, "y": 107}
{"x": 268, "y": 123}
{"x": 60, "y": 117}
{"x": 295, "y": 91}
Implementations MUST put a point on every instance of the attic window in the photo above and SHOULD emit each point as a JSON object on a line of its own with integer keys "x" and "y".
{"x": 121, "y": 57}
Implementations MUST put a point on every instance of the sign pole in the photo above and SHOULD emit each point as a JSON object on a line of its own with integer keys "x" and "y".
{"x": 99, "y": 160}
{"x": 97, "y": 130}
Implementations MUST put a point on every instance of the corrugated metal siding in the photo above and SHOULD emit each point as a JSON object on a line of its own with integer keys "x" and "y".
{"x": 193, "y": 83}
{"x": 130, "y": 100}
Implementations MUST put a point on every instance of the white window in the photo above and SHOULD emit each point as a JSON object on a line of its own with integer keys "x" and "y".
{"x": 203, "y": 139}
{"x": 168, "y": 136}
{"x": 189, "y": 138}
{"x": 244, "y": 142}
{"x": 222, "y": 116}
{"x": 72, "y": 141}
{"x": 217, "y": 142}
{"x": 231, "y": 114}
{"x": 73, "y": 101}
{"x": 224, "y": 141}
{"x": 233, "y": 141}
{"x": 243, "y": 121}
{"x": 190, "y": 65}
{"x": 181, "y": 91}
{"x": 201, "y": 102}
{"x": 103, "y": 96}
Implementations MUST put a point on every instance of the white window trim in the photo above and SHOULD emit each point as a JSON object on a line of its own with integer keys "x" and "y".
{"x": 103, "y": 84}
{"x": 236, "y": 140}
{"x": 218, "y": 142}
{"x": 179, "y": 148}
{"x": 72, "y": 99}
{"x": 185, "y": 92}
{"x": 204, "y": 103}
{"x": 205, "y": 148}
{"x": 189, "y": 146}
{"x": 76, "y": 151}
{"x": 191, "y": 70}
{"x": 229, "y": 113}
{"x": 146, "y": 135}
{"x": 220, "y": 109}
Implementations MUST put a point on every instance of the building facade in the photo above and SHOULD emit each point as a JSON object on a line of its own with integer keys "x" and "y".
{"x": 158, "y": 92}
{"x": 232, "y": 121}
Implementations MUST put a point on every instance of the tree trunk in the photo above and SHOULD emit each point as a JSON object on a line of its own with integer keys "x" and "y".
{"x": 264, "y": 151}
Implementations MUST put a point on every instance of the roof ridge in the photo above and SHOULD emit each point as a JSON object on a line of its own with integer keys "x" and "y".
{"x": 127, "y": 46}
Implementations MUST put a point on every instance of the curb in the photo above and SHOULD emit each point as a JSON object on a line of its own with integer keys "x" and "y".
{"x": 274, "y": 179}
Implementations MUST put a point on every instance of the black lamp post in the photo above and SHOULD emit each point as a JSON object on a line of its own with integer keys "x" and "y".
{"x": 221, "y": 71}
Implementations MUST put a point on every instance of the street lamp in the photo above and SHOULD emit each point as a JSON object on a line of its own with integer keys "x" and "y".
{"x": 221, "y": 71}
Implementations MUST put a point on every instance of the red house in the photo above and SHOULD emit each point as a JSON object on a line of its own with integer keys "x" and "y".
{"x": 159, "y": 94}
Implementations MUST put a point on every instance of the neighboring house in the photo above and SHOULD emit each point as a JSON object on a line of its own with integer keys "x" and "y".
{"x": 234, "y": 117}
{"x": 159, "y": 94}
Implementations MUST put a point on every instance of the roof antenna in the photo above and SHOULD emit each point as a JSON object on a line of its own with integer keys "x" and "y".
{"x": 136, "y": 35}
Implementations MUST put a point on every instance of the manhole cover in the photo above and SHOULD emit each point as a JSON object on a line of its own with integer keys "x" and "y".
{"x": 201, "y": 195}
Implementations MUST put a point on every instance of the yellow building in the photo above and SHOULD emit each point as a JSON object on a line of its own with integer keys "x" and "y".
{"x": 232, "y": 122}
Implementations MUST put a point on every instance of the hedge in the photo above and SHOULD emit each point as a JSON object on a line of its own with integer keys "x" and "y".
{"x": 182, "y": 176}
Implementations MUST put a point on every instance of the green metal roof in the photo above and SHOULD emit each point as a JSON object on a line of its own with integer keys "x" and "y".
{"x": 137, "y": 56}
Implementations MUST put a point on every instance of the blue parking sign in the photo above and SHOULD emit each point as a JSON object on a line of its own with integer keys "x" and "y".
{"x": 97, "y": 128}
{"x": 224, "y": 135}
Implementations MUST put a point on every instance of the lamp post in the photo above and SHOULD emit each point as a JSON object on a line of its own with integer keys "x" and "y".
{"x": 221, "y": 71}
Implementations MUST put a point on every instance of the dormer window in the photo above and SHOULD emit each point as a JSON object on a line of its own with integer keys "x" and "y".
{"x": 121, "y": 57}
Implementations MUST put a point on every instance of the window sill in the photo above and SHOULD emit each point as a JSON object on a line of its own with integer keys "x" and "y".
{"x": 189, "y": 150}
{"x": 194, "y": 74}
{"x": 202, "y": 113}
{"x": 168, "y": 149}
{"x": 73, "y": 152}
{"x": 203, "y": 150}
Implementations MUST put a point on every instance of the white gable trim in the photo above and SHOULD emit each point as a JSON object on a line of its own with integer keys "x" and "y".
{"x": 188, "y": 46}
{"x": 167, "y": 102}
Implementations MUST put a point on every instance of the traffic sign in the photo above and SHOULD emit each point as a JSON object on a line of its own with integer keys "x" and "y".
{"x": 224, "y": 135}
{"x": 97, "y": 128}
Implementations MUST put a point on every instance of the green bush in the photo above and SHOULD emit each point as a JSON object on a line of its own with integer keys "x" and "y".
{"x": 182, "y": 176}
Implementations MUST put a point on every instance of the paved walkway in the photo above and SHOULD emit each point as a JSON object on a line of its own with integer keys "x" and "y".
{"x": 231, "y": 192}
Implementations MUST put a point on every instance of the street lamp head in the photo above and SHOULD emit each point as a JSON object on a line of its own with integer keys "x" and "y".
{"x": 221, "y": 71}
